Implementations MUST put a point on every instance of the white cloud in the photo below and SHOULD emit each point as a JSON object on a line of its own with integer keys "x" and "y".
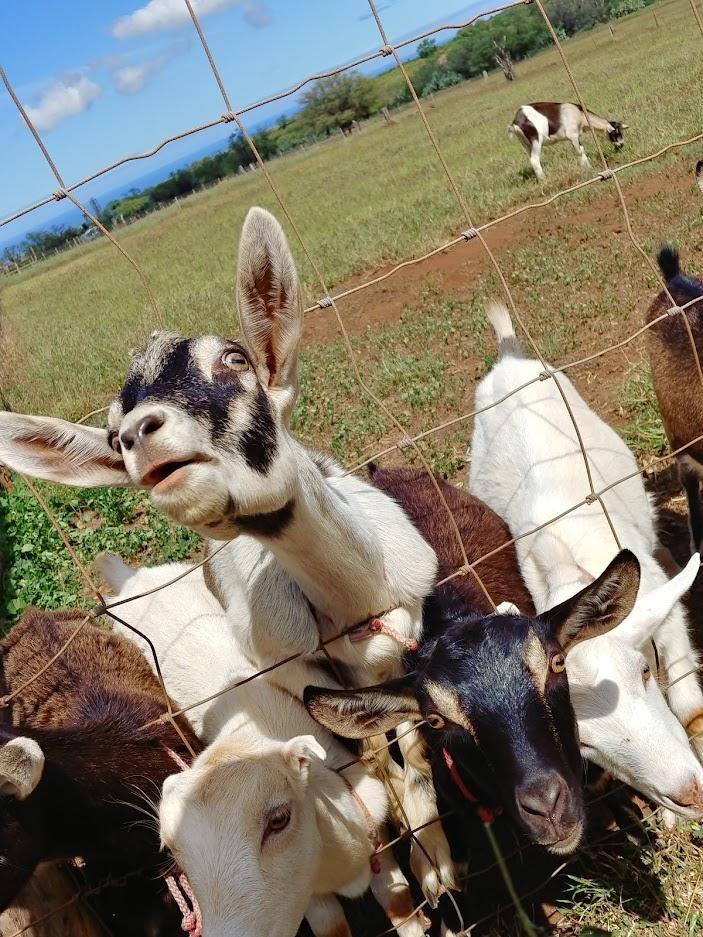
{"x": 257, "y": 15}
{"x": 130, "y": 79}
{"x": 163, "y": 14}
{"x": 65, "y": 97}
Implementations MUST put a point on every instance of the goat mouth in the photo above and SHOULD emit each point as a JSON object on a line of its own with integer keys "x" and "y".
{"x": 566, "y": 844}
{"x": 167, "y": 475}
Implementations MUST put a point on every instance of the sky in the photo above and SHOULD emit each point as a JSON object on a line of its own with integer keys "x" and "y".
{"x": 102, "y": 80}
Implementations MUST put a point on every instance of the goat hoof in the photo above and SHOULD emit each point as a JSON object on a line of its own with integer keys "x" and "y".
{"x": 669, "y": 819}
{"x": 431, "y": 864}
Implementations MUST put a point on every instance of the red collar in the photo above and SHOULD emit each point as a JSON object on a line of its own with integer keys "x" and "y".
{"x": 487, "y": 814}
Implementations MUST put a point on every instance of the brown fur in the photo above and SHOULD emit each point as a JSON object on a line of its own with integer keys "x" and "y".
{"x": 481, "y": 531}
{"x": 674, "y": 370}
{"x": 87, "y": 713}
{"x": 96, "y": 658}
{"x": 50, "y": 887}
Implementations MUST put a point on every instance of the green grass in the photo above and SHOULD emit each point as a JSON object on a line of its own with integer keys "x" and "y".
{"x": 361, "y": 203}
{"x": 644, "y": 432}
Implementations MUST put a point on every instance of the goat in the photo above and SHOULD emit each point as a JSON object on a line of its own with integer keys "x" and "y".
{"x": 315, "y": 553}
{"x": 546, "y": 122}
{"x": 526, "y": 463}
{"x": 268, "y": 767}
{"x": 676, "y": 378}
{"x": 521, "y": 748}
{"x": 77, "y": 770}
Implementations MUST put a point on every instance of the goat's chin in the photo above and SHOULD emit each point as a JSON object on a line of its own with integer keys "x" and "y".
{"x": 198, "y": 499}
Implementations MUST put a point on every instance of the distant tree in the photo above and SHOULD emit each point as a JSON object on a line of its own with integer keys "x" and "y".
{"x": 337, "y": 101}
{"x": 426, "y": 48}
{"x": 439, "y": 79}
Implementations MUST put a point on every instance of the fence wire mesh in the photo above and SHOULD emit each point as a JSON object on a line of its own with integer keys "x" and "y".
{"x": 405, "y": 442}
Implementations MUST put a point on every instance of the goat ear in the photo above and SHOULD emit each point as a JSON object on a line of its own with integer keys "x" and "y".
{"x": 21, "y": 766}
{"x": 58, "y": 451}
{"x": 359, "y": 714}
{"x": 270, "y": 310}
{"x": 299, "y": 753}
{"x": 601, "y": 606}
{"x": 114, "y": 570}
{"x": 650, "y": 610}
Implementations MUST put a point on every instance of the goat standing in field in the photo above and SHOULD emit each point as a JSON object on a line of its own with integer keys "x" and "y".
{"x": 76, "y": 767}
{"x": 315, "y": 553}
{"x": 526, "y": 463}
{"x": 677, "y": 380}
{"x": 267, "y": 766}
{"x": 546, "y": 122}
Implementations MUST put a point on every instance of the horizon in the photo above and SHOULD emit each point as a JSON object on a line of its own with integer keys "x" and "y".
{"x": 149, "y": 87}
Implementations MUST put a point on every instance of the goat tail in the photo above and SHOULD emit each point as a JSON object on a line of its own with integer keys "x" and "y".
{"x": 499, "y": 317}
{"x": 668, "y": 260}
{"x": 511, "y": 130}
{"x": 699, "y": 174}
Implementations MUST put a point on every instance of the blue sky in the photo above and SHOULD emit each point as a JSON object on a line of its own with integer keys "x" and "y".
{"x": 105, "y": 79}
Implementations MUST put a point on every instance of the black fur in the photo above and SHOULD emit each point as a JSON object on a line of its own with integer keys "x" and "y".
{"x": 267, "y": 525}
{"x": 181, "y": 382}
{"x": 518, "y": 734}
{"x": 668, "y": 260}
{"x": 258, "y": 443}
{"x": 670, "y": 266}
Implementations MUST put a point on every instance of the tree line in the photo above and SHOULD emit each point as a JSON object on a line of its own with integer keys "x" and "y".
{"x": 332, "y": 105}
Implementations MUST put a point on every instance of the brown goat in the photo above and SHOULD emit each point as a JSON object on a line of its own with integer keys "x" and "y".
{"x": 481, "y": 531}
{"x": 88, "y": 794}
{"x": 677, "y": 381}
{"x": 49, "y": 887}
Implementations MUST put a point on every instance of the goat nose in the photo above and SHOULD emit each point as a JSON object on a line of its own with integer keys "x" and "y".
{"x": 541, "y": 797}
{"x": 691, "y": 796}
{"x": 146, "y": 424}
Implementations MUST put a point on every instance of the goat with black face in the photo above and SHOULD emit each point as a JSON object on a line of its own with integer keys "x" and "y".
{"x": 493, "y": 692}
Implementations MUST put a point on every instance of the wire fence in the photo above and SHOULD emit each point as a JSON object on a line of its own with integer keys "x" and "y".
{"x": 606, "y": 175}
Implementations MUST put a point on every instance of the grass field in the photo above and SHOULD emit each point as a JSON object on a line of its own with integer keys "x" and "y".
{"x": 363, "y": 203}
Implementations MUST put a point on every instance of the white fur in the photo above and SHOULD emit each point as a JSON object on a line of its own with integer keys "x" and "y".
{"x": 572, "y": 123}
{"x": 264, "y": 750}
{"x": 527, "y": 465}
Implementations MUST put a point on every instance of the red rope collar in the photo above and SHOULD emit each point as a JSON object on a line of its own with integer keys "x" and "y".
{"x": 487, "y": 814}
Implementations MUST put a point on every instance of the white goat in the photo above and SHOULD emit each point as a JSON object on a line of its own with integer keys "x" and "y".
{"x": 203, "y": 423}
{"x": 551, "y": 122}
{"x": 526, "y": 464}
{"x": 261, "y": 822}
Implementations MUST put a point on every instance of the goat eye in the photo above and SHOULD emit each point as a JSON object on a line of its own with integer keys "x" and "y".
{"x": 277, "y": 820}
{"x": 114, "y": 441}
{"x": 435, "y": 721}
{"x": 235, "y": 361}
{"x": 646, "y": 673}
{"x": 558, "y": 663}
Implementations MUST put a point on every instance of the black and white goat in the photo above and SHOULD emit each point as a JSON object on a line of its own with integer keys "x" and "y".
{"x": 550, "y": 122}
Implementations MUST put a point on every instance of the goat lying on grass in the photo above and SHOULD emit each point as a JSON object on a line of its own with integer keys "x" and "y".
{"x": 264, "y": 826}
{"x": 77, "y": 768}
{"x": 526, "y": 463}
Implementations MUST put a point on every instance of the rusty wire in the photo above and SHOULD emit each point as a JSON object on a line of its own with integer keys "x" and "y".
{"x": 230, "y": 116}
